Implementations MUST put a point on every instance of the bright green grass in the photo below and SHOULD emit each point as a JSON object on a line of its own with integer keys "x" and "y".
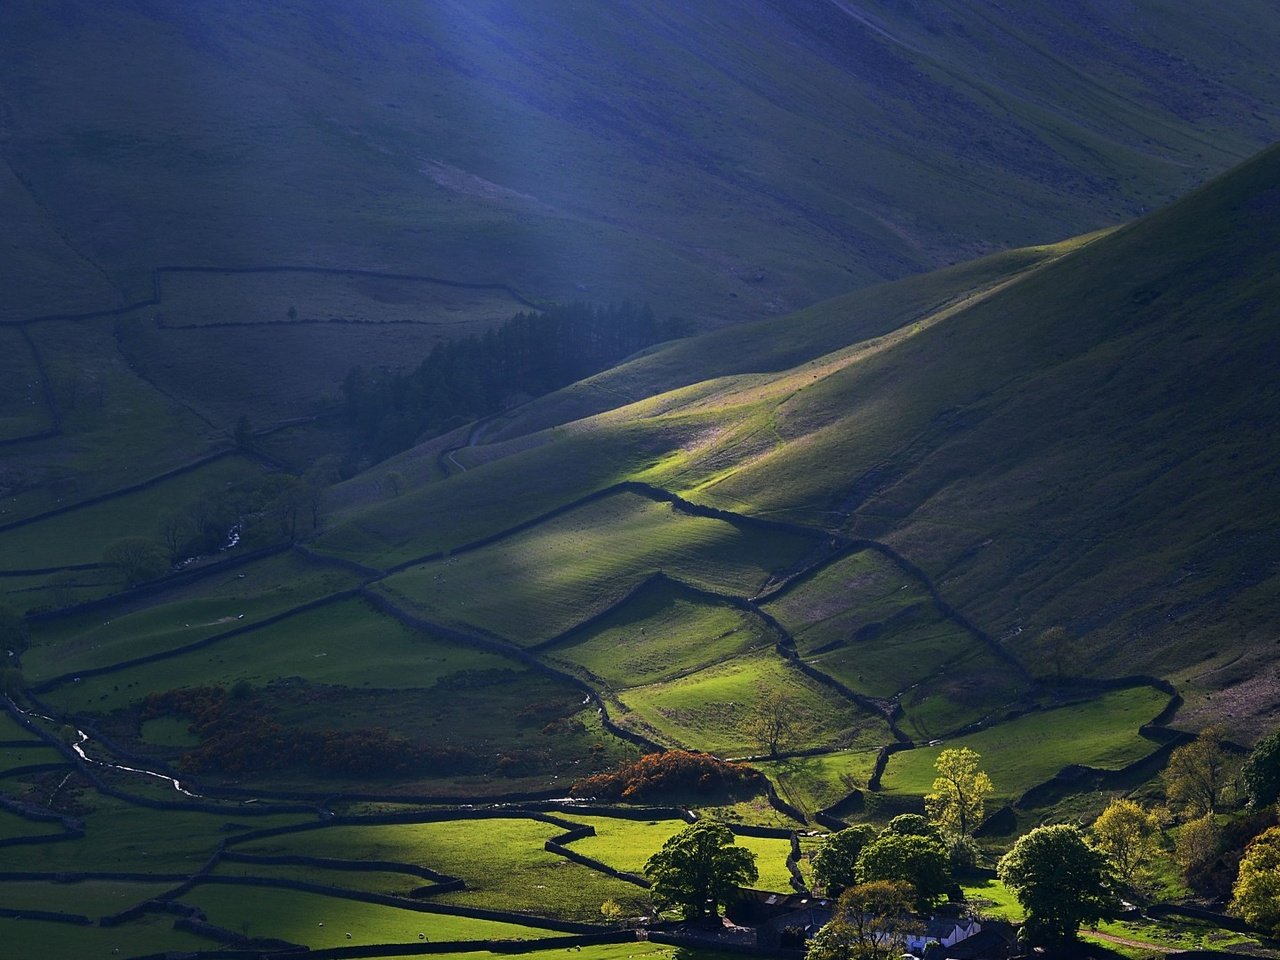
{"x": 606, "y": 951}
{"x": 346, "y": 643}
{"x": 707, "y": 710}
{"x": 318, "y": 921}
{"x": 1031, "y": 749}
{"x": 150, "y": 934}
{"x": 90, "y": 898}
{"x": 537, "y": 584}
{"x": 771, "y": 862}
{"x": 812, "y": 783}
{"x": 1179, "y": 934}
{"x": 625, "y": 844}
{"x": 373, "y": 881}
{"x": 81, "y": 536}
{"x": 207, "y": 607}
{"x": 502, "y": 861}
{"x": 993, "y": 899}
{"x": 662, "y": 632}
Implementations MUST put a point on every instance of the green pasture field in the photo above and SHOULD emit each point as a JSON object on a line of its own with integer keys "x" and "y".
{"x": 1179, "y": 934}
{"x": 273, "y": 373}
{"x": 90, "y": 898}
{"x": 502, "y": 861}
{"x": 992, "y": 899}
{"x": 149, "y": 934}
{"x": 371, "y": 881}
{"x": 168, "y": 732}
{"x": 346, "y": 643}
{"x": 316, "y": 920}
{"x": 41, "y": 592}
{"x": 12, "y": 825}
{"x": 812, "y": 783}
{"x": 212, "y": 605}
{"x": 11, "y": 757}
{"x": 122, "y": 837}
{"x": 605, "y": 951}
{"x": 707, "y": 710}
{"x": 549, "y": 470}
{"x": 1020, "y": 753}
{"x": 622, "y": 843}
{"x": 11, "y": 729}
{"x": 662, "y": 632}
{"x": 117, "y": 428}
{"x": 23, "y": 409}
{"x": 771, "y": 861}
{"x": 539, "y": 583}
{"x": 80, "y": 536}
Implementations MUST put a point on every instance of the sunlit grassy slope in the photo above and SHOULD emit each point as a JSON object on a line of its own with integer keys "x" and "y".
{"x": 1079, "y": 437}
{"x": 726, "y": 160}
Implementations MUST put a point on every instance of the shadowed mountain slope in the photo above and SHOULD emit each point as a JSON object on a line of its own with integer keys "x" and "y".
{"x": 1082, "y": 436}
{"x": 722, "y": 160}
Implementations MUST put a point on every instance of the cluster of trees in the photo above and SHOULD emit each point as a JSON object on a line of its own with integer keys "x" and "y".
{"x": 462, "y": 380}
{"x": 258, "y": 511}
{"x": 673, "y": 773}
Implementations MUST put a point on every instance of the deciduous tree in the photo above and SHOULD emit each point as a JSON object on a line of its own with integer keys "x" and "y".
{"x": 772, "y": 721}
{"x": 1261, "y": 771}
{"x": 1128, "y": 834}
{"x": 698, "y": 868}
{"x": 871, "y": 920}
{"x": 1256, "y": 895}
{"x": 1197, "y": 774}
{"x": 835, "y": 863}
{"x": 960, "y": 792}
{"x": 1060, "y": 880}
{"x": 919, "y": 861}
{"x": 137, "y": 558}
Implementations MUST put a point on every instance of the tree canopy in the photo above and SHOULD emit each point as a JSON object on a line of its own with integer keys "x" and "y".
{"x": 1060, "y": 880}
{"x": 1256, "y": 895}
{"x": 1197, "y": 774}
{"x": 1128, "y": 834}
{"x": 835, "y": 863}
{"x": 907, "y": 858}
{"x": 960, "y": 792}
{"x": 870, "y": 921}
{"x": 1261, "y": 771}
{"x": 698, "y": 868}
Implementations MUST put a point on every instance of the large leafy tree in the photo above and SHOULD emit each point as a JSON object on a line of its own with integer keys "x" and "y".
{"x": 1256, "y": 895}
{"x": 960, "y": 792}
{"x": 1198, "y": 773}
{"x": 835, "y": 863}
{"x": 698, "y": 868}
{"x": 1261, "y": 771}
{"x": 871, "y": 921}
{"x": 1060, "y": 880}
{"x": 919, "y": 861}
{"x": 1128, "y": 834}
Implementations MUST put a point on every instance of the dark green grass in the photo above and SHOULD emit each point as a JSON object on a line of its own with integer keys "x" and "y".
{"x": 662, "y": 632}
{"x": 319, "y": 921}
{"x": 535, "y": 585}
{"x": 23, "y": 408}
{"x": 1020, "y": 753}
{"x": 122, "y": 837}
{"x": 12, "y": 825}
{"x": 150, "y": 934}
{"x": 709, "y": 709}
{"x": 91, "y": 898}
{"x": 371, "y": 881}
{"x": 82, "y": 535}
{"x": 177, "y": 617}
{"x": 502, "y": 861}
{"x": 344, "y": 644}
